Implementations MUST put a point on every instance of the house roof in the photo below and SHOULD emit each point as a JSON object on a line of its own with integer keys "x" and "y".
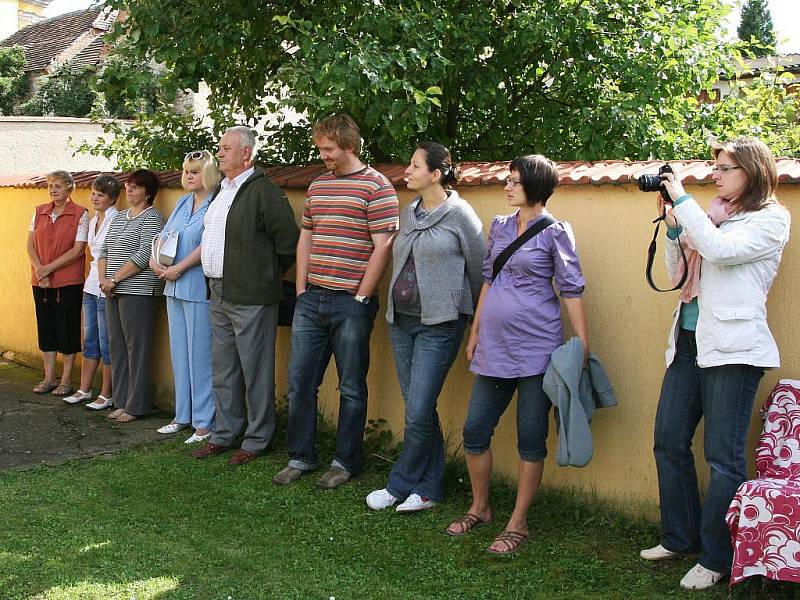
{"x": 615, "y": 172}
{"x": 71, "y": 36}
{"x": 754, "y": 67}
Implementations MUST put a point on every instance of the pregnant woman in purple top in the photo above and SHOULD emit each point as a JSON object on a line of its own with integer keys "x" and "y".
{"x": 517, "y": 326}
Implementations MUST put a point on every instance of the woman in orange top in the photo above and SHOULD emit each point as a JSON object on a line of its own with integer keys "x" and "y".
{"x": 56, "y": 247}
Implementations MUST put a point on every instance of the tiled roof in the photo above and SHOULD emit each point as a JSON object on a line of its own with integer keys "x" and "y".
{"x": 89, "y": 55}
{"x": 46, "y": 40}
{"x": 753, "y": 67}
{"x": 473, "y": 174}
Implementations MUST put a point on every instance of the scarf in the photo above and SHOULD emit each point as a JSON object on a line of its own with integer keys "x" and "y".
{"x": 719, "y": 212}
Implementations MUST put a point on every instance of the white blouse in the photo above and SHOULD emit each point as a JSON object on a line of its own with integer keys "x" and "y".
{"x": 97, "y": 236}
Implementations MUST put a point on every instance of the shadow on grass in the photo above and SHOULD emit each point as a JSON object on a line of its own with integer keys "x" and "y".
{"x": 155, "y": 523}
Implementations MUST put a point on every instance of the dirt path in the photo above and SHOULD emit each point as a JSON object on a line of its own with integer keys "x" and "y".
{"x": 38, "y": 429}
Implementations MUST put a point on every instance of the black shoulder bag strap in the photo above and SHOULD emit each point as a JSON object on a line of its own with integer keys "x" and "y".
{"x": 503, "y": 257}
{"x": 651, "y": 254}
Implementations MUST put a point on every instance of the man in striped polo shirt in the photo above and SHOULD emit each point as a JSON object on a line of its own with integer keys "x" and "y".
{"x": 349, "y": 220}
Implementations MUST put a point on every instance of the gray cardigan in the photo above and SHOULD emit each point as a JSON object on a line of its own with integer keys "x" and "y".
{"x": 448, "y": 249}
{"x": 576, "y": 393}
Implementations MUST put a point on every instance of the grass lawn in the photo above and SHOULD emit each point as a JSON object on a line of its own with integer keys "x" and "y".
{"x": 155, "y": 523}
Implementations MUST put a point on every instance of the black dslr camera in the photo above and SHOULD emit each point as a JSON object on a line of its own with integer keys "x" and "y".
{"x": 654, "y": 183}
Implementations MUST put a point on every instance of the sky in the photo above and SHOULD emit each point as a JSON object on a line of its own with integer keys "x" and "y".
{"x": 785, "y": 16}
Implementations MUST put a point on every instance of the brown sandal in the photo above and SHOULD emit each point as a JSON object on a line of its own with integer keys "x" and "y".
{"x": 63, "y": 390}
{"x": 466, "y": 524}
{"x": 44, "y": 387}
{"x": 511, "y": 541}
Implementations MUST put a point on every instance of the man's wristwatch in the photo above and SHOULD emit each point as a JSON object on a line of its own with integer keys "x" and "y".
{"x": 361, "y": 299}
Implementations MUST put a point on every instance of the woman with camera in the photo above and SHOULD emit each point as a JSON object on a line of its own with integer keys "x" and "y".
{"x": 718, "y": 349}
{"x": 517, "y": 326}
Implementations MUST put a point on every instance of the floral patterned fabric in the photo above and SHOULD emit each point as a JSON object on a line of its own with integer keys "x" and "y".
{"x": 764, "y": 517}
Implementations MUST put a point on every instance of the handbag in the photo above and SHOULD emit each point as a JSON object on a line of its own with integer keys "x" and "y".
{"x": 502, "y": 258}
{"x": 164, "y": 247}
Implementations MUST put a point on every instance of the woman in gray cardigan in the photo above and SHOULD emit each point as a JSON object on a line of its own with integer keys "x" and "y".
{"x": 436, "y": 281}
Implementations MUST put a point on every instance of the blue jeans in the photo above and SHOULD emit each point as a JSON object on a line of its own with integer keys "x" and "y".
{"x": 489, "y": 400}
{"x": 329, "y": 322}
{"x": 723, "y": 396}
{"x": 95, "y": 331}
{"x": 423, "y": 355}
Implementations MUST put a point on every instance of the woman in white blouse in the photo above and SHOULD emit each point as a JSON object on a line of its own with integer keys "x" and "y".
{"x": 105, "y": 192}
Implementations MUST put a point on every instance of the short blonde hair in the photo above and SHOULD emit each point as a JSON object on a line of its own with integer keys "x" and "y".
{"x": 64, "y": 176}
{"x": 209, "y": 171}
{"x": 756, "y": 160}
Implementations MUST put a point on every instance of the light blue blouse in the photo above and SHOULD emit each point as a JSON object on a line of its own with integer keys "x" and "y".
{"x": 191, "y": 285}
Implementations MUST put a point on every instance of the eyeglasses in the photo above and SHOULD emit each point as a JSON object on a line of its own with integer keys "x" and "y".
{"x": 196, "y": 155}
{"x": 513, "y": 182}
{"x": 723, "y": 168}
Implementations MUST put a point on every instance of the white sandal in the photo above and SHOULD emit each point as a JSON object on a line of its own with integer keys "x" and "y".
{"x": 101, "y": 403}
{"x": 78, "y": 396}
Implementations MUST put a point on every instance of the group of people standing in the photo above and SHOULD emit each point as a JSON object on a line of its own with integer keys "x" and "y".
{"x": 237, "y": 236}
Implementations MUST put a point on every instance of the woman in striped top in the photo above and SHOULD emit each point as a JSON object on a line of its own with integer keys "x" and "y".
{"x": 132, "y": 291}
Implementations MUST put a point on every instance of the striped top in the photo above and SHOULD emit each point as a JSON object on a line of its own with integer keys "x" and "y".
{"x": 342, "y": 213}
{"x": 131, "y": 240}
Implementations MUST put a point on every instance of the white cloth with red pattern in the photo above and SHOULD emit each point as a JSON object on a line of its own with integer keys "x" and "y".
{"x": 764, "y": 517}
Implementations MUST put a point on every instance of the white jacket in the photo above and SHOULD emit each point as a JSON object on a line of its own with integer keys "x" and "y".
{"x": 740, "y": 261}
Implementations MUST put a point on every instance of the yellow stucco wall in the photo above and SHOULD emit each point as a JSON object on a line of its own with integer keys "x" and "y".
{"x": 627, "y": 323}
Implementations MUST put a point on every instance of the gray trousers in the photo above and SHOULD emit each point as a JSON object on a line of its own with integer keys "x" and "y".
{"x": 130, "y": 321}
{"x": 243, "y": 371}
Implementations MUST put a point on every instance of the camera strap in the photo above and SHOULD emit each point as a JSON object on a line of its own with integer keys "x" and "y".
{"x": 503, "y": 257}
{"x": 651, "y": 254}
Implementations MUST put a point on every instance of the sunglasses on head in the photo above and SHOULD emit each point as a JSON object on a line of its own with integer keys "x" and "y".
{"x": 195, "y": 155}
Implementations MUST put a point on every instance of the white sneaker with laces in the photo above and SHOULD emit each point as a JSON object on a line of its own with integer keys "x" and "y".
{"x": 414, "y": 503}
{"x": 700, "y": 578}
{"x": 658, "y": 553}
{"x": 172, "y": 428}
{"x": 380, "y": 499}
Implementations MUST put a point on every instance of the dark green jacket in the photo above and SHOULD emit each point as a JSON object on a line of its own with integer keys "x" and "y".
{"x": 260, "y": 242}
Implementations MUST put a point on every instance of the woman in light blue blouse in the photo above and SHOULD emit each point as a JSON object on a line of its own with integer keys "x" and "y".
{"x": 187, "y": 305}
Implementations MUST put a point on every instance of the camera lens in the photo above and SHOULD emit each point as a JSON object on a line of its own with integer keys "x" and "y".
{"x": 649, "y": 183}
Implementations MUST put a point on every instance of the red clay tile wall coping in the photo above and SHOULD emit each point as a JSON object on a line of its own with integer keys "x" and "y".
{"x": 473, "y": 173}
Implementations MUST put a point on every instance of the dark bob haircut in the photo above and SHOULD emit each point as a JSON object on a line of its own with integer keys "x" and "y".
{"x": 538, "y": 176}
{"x": 108, "y": 185}
{"x": 146, "y": 179}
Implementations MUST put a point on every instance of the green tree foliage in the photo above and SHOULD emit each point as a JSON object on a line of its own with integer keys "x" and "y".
{"x": 66, "y": 92}
{"x": 128, "y": 86}
{"x": 13, "y": 83}
{"x": 574, "y": 79}
{"x": 756, "y": 28}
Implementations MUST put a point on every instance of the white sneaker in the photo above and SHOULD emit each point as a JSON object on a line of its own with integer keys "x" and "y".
{"x": 658, "y": 553}
{"x": 416, "y": 502}
{"x": 78, "y": 396}
{"x": 172, "y": 428}
{"x": 197, "y": 438}
{"x": 700, "y": 578}
{"x": 101, "y": 403}
{"x": 380, "y": 499}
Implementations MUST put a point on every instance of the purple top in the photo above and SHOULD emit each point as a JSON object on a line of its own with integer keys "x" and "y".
{"x": 520, "y": 322}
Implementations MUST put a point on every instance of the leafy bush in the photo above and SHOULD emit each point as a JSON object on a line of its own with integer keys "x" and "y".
{"x": 13, "y": 83}
{"x": 67, "y": 92}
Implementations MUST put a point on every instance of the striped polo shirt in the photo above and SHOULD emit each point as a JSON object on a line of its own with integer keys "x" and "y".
{"x": 130, "y": 240}
{"x": 342, "y": 213}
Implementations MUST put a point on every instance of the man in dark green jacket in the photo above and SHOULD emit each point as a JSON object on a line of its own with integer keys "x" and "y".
{"x": 249, "y": 242}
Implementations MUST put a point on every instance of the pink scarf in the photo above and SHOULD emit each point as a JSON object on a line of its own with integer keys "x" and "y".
{"x": 719, "y": 212}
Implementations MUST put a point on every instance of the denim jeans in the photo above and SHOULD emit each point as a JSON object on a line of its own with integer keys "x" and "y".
{"x": 95, "y": 331}
{"x": 329, "y": 322}
{"x": 722, "y": 396}
{"x": 489, "y": 400}
{"x": 423, "y": 355}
